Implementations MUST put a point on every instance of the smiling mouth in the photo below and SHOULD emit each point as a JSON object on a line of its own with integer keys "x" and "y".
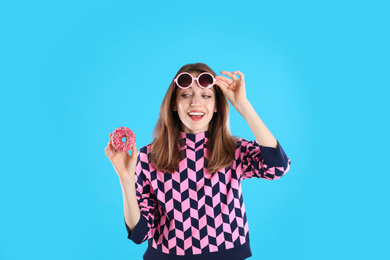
{"x": 196, "y": 115}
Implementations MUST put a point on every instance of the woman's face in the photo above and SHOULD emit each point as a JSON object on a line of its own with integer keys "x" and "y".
{"x": 195, "y": 107}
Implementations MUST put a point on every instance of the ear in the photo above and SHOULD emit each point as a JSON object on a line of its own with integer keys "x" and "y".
{"x": 174, "y": 107}
{"x": 215, "y": 109}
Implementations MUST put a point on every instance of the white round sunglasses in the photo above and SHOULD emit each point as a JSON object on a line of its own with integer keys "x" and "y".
{"x": 185, "y": 80}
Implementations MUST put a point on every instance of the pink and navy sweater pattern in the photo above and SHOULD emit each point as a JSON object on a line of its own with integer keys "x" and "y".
{"x": 192, "y": 214}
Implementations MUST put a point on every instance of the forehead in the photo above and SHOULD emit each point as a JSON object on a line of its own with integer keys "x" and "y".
{"x": 195, "y": 73}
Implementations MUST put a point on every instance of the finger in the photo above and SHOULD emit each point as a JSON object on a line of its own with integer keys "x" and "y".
{"x": 110, "y": 148}
{"x": 134, "y": 150}
{"x": 224, "y": 79}
{"x": 242, "y": 77}
{"x": 233, "y": 76}
{"x": 222, "y": 85}
{"x": 108, "y": 153}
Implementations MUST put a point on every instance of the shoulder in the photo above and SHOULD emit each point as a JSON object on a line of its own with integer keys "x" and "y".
{"x": 143, "y": 161}
{"x": 145, "y": 149}
{"x": 143, "y": 156}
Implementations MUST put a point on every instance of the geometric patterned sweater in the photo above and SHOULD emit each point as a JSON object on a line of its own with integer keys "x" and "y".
{"x": 194, "y": 215}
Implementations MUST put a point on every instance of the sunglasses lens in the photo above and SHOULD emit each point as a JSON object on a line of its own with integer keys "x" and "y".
{"x": 184, "y": 80}
{"x": 205, "y": 80}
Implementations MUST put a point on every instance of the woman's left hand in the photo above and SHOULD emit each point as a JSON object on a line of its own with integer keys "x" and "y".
{"x": 234, "y": 89}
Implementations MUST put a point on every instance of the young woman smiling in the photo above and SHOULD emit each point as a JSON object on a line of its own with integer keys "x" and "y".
{"x": 182, "y": 192}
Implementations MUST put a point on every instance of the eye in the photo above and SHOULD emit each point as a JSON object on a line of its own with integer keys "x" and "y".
{"x": 206, "y": 96}
{"x": 185, "y": 95}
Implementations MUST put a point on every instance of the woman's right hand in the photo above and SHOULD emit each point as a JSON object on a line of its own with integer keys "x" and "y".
{"x": 124, "y": 164}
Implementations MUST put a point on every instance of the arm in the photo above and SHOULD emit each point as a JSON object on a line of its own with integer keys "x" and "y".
{"x": 254, "y": 160}
{"x": 138, "y": 201}
{"x": 264, "y": 158}
{"x": 124, "y": 166}
{"x": 262, "y": 134}
{"x": 130, "y": 203}
{"x": 234, "y": 90}
{"x": 146, "y": 199}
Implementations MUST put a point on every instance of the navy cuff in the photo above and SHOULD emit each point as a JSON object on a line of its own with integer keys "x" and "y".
{"x": 139, "y": 232}
{"x": 274, "y": 157}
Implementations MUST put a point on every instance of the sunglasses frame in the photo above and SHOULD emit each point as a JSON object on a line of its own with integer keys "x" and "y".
{"x": 193, "y": 78}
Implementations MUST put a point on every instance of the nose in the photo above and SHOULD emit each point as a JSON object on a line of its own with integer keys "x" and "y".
{"x": 195, "y": 100}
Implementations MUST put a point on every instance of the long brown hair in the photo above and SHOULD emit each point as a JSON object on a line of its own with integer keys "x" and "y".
{"x": 166, "y": 134}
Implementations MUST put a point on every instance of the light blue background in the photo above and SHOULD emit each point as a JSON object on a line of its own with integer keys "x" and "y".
{"x": 317, "y": 74}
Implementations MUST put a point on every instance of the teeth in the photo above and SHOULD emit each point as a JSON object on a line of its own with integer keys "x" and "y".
{"x": 195, "y": 114}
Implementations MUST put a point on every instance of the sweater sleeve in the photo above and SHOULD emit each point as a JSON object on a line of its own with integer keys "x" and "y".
{"x": 263, "y": 162}
{"x": 146, "y": 200}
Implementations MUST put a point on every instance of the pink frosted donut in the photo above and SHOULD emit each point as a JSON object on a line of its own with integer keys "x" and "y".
{"x": 116, "y": 139}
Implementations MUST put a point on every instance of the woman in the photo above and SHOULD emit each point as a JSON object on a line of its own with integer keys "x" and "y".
{"x": 182, "y": 192}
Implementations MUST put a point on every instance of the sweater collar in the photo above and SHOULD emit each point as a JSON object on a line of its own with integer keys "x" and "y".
{"x": 193, "y": 140}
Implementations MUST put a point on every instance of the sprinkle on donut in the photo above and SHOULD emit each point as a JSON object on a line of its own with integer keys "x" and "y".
{"x": 116, "y": 139}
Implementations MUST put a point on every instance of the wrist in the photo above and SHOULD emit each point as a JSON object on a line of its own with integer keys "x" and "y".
{"x": 126, "y": 177}
{"x": 244, "y": 107}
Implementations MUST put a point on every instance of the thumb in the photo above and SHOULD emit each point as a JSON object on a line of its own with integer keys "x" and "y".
{"x": 223, "y": 86}
{"x": 134, "y": 150}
